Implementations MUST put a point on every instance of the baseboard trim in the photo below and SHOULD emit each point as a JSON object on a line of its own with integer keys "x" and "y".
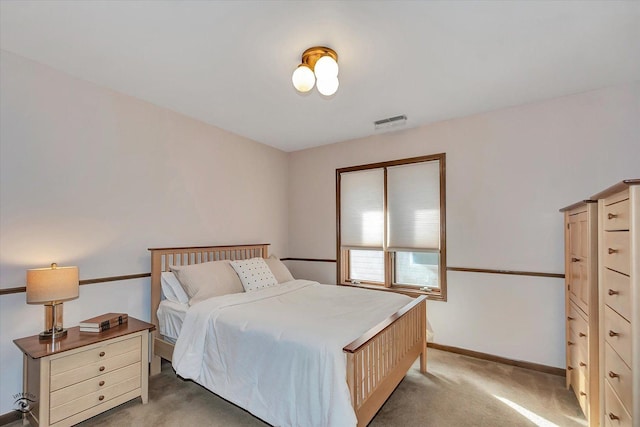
{"x": 485, "y": 356}
{"x": 10, "y": 417}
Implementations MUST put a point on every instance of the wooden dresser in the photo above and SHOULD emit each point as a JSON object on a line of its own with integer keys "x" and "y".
{"x": 84, "y": 373}
{"x": 619, "y": 283}
{"x": 581, "y": 305}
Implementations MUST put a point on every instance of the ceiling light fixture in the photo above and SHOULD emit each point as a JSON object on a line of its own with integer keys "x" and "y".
{"x": 319, "y": 67}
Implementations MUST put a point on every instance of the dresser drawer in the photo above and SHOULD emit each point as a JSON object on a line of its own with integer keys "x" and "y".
{"x": 94, "y": 369}
{"x": 95, "y": 354}
{"x": 578, "y": 377}
{"x": 101, "y": 382}
{"x": 582, "y": 362}
{"x": 614, "y": 414}
{"x": 616, "y": 216}
{"x": 93, "y": 399}
{"x": 618, "y": 375}
{"x": 581, "y": 390}
{"x": 617, "y": 292}
{"x": 572, "y": 350}
{"x": 617, "y": 332}
{"x": 577, "y": 359}
{"x": 617, "y": 255}
{"x": 578, "y": 323}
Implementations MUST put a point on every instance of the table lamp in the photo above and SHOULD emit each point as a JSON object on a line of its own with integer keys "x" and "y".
{"x": 51, "y": 287}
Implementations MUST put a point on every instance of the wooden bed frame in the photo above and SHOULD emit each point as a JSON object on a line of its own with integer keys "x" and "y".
{"x": 376, "y": 362}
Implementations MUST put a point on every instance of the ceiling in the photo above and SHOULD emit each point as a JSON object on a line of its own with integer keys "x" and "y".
{"x": 229, "y": 63}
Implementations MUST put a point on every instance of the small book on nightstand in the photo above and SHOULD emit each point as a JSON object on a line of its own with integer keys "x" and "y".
{"x": 103, "y": 322}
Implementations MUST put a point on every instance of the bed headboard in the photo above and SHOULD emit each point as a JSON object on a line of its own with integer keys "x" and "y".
{"x": 162, "y": 258}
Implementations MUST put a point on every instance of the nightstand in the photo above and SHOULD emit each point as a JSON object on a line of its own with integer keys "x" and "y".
{"x": 83, "y": 374}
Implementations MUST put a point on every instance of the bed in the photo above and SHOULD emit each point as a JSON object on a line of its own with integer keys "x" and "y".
{"x": 373, "y": 363}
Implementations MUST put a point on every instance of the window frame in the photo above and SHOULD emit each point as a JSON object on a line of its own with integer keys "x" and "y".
{"x": 342, "y": 255}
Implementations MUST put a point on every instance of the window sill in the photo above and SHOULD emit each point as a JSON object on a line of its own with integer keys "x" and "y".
{"x": 405, "y": 291}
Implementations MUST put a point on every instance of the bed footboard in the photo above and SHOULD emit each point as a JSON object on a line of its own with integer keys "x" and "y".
{"x": 377, "y": 361}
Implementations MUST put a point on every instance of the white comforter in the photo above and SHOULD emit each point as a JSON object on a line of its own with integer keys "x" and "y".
{"x": 277, "y": 352}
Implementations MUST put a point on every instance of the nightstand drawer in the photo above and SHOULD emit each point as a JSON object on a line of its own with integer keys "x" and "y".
{"x": 93, "y": 370}
{"x": 617, "y": 255}
{"x": 616, "y": 216}
{"x": 101, "y": 382}
{"x": 618, "y": 375}
{"x": 96, "y": 354}
{"x": 617, "y": 332}
{"x": 93, "y": 399}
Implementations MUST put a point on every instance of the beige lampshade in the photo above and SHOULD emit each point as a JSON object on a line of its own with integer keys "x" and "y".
{"x": 52, "y": 284}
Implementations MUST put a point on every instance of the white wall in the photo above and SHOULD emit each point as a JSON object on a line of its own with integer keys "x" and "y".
{"x": 508, "y": 173}
{"x": 93, "y": 178}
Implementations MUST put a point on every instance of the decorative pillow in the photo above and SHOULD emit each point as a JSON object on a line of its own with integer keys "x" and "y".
{"x": 208, "y": 279}
{"x": 172, "y": 289}
{"x": 254, "y": 274}
{"x": 278, "y": 269}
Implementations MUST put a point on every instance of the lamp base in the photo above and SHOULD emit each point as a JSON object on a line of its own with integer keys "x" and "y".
{"x": 52, "y": 334}
{"x": 53, "y": 322}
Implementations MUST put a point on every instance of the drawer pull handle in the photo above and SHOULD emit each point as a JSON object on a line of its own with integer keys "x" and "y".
{"x": 581, "y": 335}
{"x": 613, "y": 334}
{"x": 101, "y": 354}
{"x": 613, "y": 416}
{"x": 101, "y": 383}
{"x": 571, "y": 318}
{"x": 570, "y": 343}
{"x": 101, "y": 398}
{"x": 575, "y": 259}
{"x": 582, "y": 393}
{"x": 612, "y": 292}
{"x": 611, "y": 216}
{"x": 612, "y": 251}
{"x": 613, "y": 375}
{"x": 101, "y": 368}
{"x": 583, "y": 364}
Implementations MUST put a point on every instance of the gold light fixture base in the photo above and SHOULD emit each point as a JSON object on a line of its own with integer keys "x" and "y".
{"x": 311, "y": 55}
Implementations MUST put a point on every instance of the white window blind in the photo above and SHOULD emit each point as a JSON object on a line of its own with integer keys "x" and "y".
{"x": 413, "y": 206}
{"x": 361, "y": 209}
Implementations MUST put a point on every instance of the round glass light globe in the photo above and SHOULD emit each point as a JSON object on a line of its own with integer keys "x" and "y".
{"x": 303, "y": 79}
{"x": 326, "y": 68}
{"x": 328, "y": 87}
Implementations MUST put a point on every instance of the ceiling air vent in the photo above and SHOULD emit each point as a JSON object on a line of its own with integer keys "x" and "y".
{"x": 390, "y": 123}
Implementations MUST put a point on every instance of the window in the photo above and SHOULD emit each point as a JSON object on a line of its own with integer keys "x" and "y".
{"x": 391, "y": 225}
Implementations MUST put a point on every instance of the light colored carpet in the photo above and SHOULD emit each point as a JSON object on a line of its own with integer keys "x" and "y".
{"x": 457, "y": 391}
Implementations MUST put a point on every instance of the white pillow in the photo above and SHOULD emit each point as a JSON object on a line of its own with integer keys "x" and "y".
{"x": 254, "y": 274}
{"x": 172, "y": 289}
{"x": 208, "y": 279}
{"x": 279, "y": 270}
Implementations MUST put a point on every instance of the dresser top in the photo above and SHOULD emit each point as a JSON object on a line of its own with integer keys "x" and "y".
{"x": 577, "y": 204}
{"x": 616, "y": 188}
{"x": 36, "y": 348}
